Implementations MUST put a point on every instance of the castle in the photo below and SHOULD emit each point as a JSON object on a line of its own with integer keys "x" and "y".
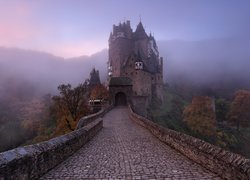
{"x": 134, "y": 56}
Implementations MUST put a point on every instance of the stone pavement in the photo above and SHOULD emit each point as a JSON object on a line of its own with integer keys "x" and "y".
{"x": 124, "y": 150}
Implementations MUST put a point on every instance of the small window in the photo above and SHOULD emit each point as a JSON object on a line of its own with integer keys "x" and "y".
{"x": 138, "y": 65}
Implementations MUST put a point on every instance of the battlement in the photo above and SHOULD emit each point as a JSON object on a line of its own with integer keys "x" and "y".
{"x": 123, "y": 30}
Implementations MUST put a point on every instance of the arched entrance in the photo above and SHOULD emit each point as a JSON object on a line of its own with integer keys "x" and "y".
{"x": 120, "y": 99}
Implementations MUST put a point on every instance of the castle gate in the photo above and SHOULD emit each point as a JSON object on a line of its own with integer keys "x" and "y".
{"x": 120, "y": 99}
{"x": 120, "y": 89}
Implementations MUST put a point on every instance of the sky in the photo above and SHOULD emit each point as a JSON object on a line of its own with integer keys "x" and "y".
{"x": 70, "y": 28}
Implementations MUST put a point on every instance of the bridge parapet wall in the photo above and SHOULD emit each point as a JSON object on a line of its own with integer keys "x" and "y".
{"x": 224, "y": 163}
{"x": 32, "y": 161}
{"x": 90, "y": 118}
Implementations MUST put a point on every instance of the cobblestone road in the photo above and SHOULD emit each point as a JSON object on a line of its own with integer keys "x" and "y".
{"x": 124, "y": 150}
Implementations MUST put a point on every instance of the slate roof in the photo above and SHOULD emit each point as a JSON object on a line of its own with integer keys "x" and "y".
{"x": 140, "y": 32}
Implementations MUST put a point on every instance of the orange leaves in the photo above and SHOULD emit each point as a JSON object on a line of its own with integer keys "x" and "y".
{"x": 200, "y": 116}
{"x": 70, "y": 106}
{"x": 99, "y": 92}
{"x": 239, "y": 113}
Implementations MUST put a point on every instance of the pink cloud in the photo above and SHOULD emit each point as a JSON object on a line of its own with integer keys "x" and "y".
{"x": 68, "y": 50}
{"x": 15, "y": 24}
{"x": 22, "y": 26}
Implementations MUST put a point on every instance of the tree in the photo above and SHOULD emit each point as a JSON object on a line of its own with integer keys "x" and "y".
{"x": 200, "y": 116}
{"x": 70, "y": 106}
{"x": 222, "y": 109}
{"x": 239, "y": 113}
{"x": 99, "y": 92}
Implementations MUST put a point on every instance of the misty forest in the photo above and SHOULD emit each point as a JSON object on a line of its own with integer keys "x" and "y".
{"x": 40, "y": 93}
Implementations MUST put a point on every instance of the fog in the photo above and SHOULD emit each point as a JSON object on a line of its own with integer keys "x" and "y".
{"x": 219, "y": 61}
{"x": 208, "y": 60}
{"x": 41, "y": 72}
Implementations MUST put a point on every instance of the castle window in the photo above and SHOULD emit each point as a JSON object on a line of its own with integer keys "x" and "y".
{"x": 120, "y": 34}
{"x": 138, "y": 65}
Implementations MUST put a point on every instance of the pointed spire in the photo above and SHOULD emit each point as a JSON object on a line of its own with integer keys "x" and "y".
{"x": 140, "y": 27}
{"x": 140, "y": 31}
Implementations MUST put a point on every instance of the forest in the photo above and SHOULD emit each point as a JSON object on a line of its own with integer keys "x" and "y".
{"x": 217, "y": 69}
{"x": 28, "y": 119}
{"x": 206, "y": 112}
{"x": 218, "y": 116}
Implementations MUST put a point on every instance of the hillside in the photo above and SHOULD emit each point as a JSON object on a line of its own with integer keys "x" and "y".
{"x": 44, "y": 71}
{"x": 215, "y": 67}
{"x": 220, "y": 62}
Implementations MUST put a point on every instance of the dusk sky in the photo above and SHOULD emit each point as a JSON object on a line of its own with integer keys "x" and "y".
{"x": 71, "y": 28}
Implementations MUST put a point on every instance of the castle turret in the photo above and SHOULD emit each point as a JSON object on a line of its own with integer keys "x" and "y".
{"x": 120, "y": 46}
{"x": 94, "y": 78}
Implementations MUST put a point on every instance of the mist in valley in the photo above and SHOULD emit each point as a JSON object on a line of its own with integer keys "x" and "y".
{"x": 26, "y": 76}
{"x": 221, "y": 62}
{"x": 41, "y": 72}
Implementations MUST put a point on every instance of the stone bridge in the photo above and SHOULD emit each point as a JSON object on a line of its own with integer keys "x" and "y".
{"x": 126, "y": 146}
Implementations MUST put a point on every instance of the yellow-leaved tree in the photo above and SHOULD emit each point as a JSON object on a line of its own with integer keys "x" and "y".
{"x": 70, "y": 106}
{"x": 239, "y": 113}
{"x": 200, "y": 116}
{"x": 99, "y": 92}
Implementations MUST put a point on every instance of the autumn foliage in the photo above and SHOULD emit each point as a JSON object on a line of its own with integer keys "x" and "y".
{"x": 200, "y": 116}
{"x": 239, "y": 113}
{"x": 70, "y": 106}
{"x": 99, "y": 92}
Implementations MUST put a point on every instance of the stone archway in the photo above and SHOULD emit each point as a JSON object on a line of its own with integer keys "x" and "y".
{"x": 120, "y": 99}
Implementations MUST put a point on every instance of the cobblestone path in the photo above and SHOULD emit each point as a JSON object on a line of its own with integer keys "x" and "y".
{"x": 124, "y": 150}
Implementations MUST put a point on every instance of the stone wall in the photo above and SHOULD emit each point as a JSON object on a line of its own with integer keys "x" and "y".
{"x": 31, "y": 162}
{"x": 90, "y": 118}
{"x": 140, "y": 105}
{"x": 224, "y": 163}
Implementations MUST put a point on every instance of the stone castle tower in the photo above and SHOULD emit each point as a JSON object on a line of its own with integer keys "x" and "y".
{"x": 135, "y": 55}
{"x": 94, "y": 78}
